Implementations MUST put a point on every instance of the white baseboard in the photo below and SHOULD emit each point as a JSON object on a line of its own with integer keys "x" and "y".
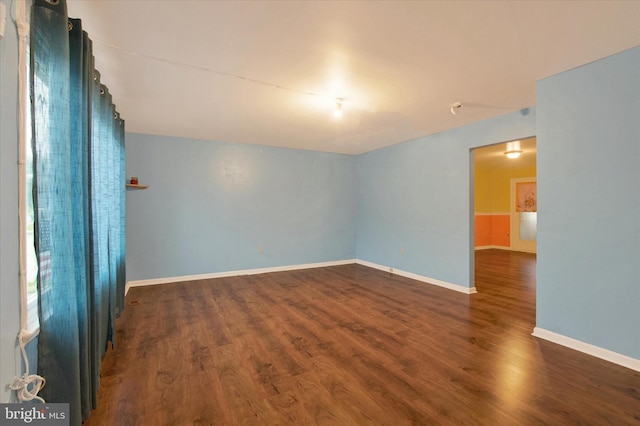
{"x": 504, "y": 248}
{"x": 450, "y": 286}
{"x": 493, "y": 247}
{"x": 156, "y": 281}
{"x": 598, "y": 352}
{"x": 525, "y": 251}
{"x": 433, "y": 281}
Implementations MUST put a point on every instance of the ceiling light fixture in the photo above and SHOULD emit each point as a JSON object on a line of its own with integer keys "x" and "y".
{"x": 513, "y": 154}
{"x": 338, "y": 111}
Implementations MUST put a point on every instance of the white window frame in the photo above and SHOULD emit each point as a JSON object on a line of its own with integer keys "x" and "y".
{"x": 29, "y": 322}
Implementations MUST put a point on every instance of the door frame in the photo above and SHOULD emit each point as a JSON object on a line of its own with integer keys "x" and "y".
{"x": 472, "y": 181}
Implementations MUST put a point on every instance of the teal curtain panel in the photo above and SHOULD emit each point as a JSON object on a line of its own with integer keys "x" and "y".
{"x": 79, "y": 199}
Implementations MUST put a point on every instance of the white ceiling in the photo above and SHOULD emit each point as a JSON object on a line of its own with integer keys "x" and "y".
{"x": 269, "y": 72}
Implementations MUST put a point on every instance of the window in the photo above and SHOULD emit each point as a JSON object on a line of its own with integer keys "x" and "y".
{"x": 32, "y": 261}
{"x": 29, "y": 261}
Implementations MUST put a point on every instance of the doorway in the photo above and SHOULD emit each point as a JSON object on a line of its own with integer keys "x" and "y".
{"x": 496, "y": 220}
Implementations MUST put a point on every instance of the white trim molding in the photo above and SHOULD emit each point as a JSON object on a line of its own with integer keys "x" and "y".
{"x": 598, "y": 352}
{"x": 155, "y": 281}
{"x": 433, "y": 281}
{"x": 492, "y": 247}
{"x": 524, "y": 251}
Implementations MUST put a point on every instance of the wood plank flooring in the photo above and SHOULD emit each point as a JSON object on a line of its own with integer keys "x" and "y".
{"x": 350, "y": 345}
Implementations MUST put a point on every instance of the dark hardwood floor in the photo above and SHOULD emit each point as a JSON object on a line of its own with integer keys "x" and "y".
{"x": 350, "y": 345}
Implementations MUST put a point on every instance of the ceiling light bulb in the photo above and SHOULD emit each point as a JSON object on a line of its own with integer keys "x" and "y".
{"x": 338, "y": 110}
{"x": 513, "y": 154}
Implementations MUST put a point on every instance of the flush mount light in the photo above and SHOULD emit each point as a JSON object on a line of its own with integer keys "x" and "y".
{"x": 338, "y": 111}
{"x": 513, "y": 154}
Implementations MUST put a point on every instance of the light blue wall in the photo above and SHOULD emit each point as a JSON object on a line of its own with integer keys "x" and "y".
{"x": 9, "y": 260}
{"x": 588, "y": 273}
{"x": 210, "y": 206}
{"x": 416, "y": 197}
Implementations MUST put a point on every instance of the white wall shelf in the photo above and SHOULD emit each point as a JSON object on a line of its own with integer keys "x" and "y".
{"x": 136, "y": 186}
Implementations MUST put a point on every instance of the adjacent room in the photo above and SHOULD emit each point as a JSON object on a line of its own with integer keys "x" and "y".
{"x": 309, "y": 212}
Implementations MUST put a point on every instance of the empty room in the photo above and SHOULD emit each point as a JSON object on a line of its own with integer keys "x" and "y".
{"x": 310, "y": 212}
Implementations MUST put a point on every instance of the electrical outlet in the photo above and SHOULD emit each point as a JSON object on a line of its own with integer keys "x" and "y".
{"x": 260, "y": 249}
{"x": 403, "y": 251}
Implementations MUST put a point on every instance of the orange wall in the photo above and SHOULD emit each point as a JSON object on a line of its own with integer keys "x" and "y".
{"x": 492, "y": 230}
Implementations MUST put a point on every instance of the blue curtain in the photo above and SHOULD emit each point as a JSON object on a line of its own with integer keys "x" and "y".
{"x": 78, "y": 190}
